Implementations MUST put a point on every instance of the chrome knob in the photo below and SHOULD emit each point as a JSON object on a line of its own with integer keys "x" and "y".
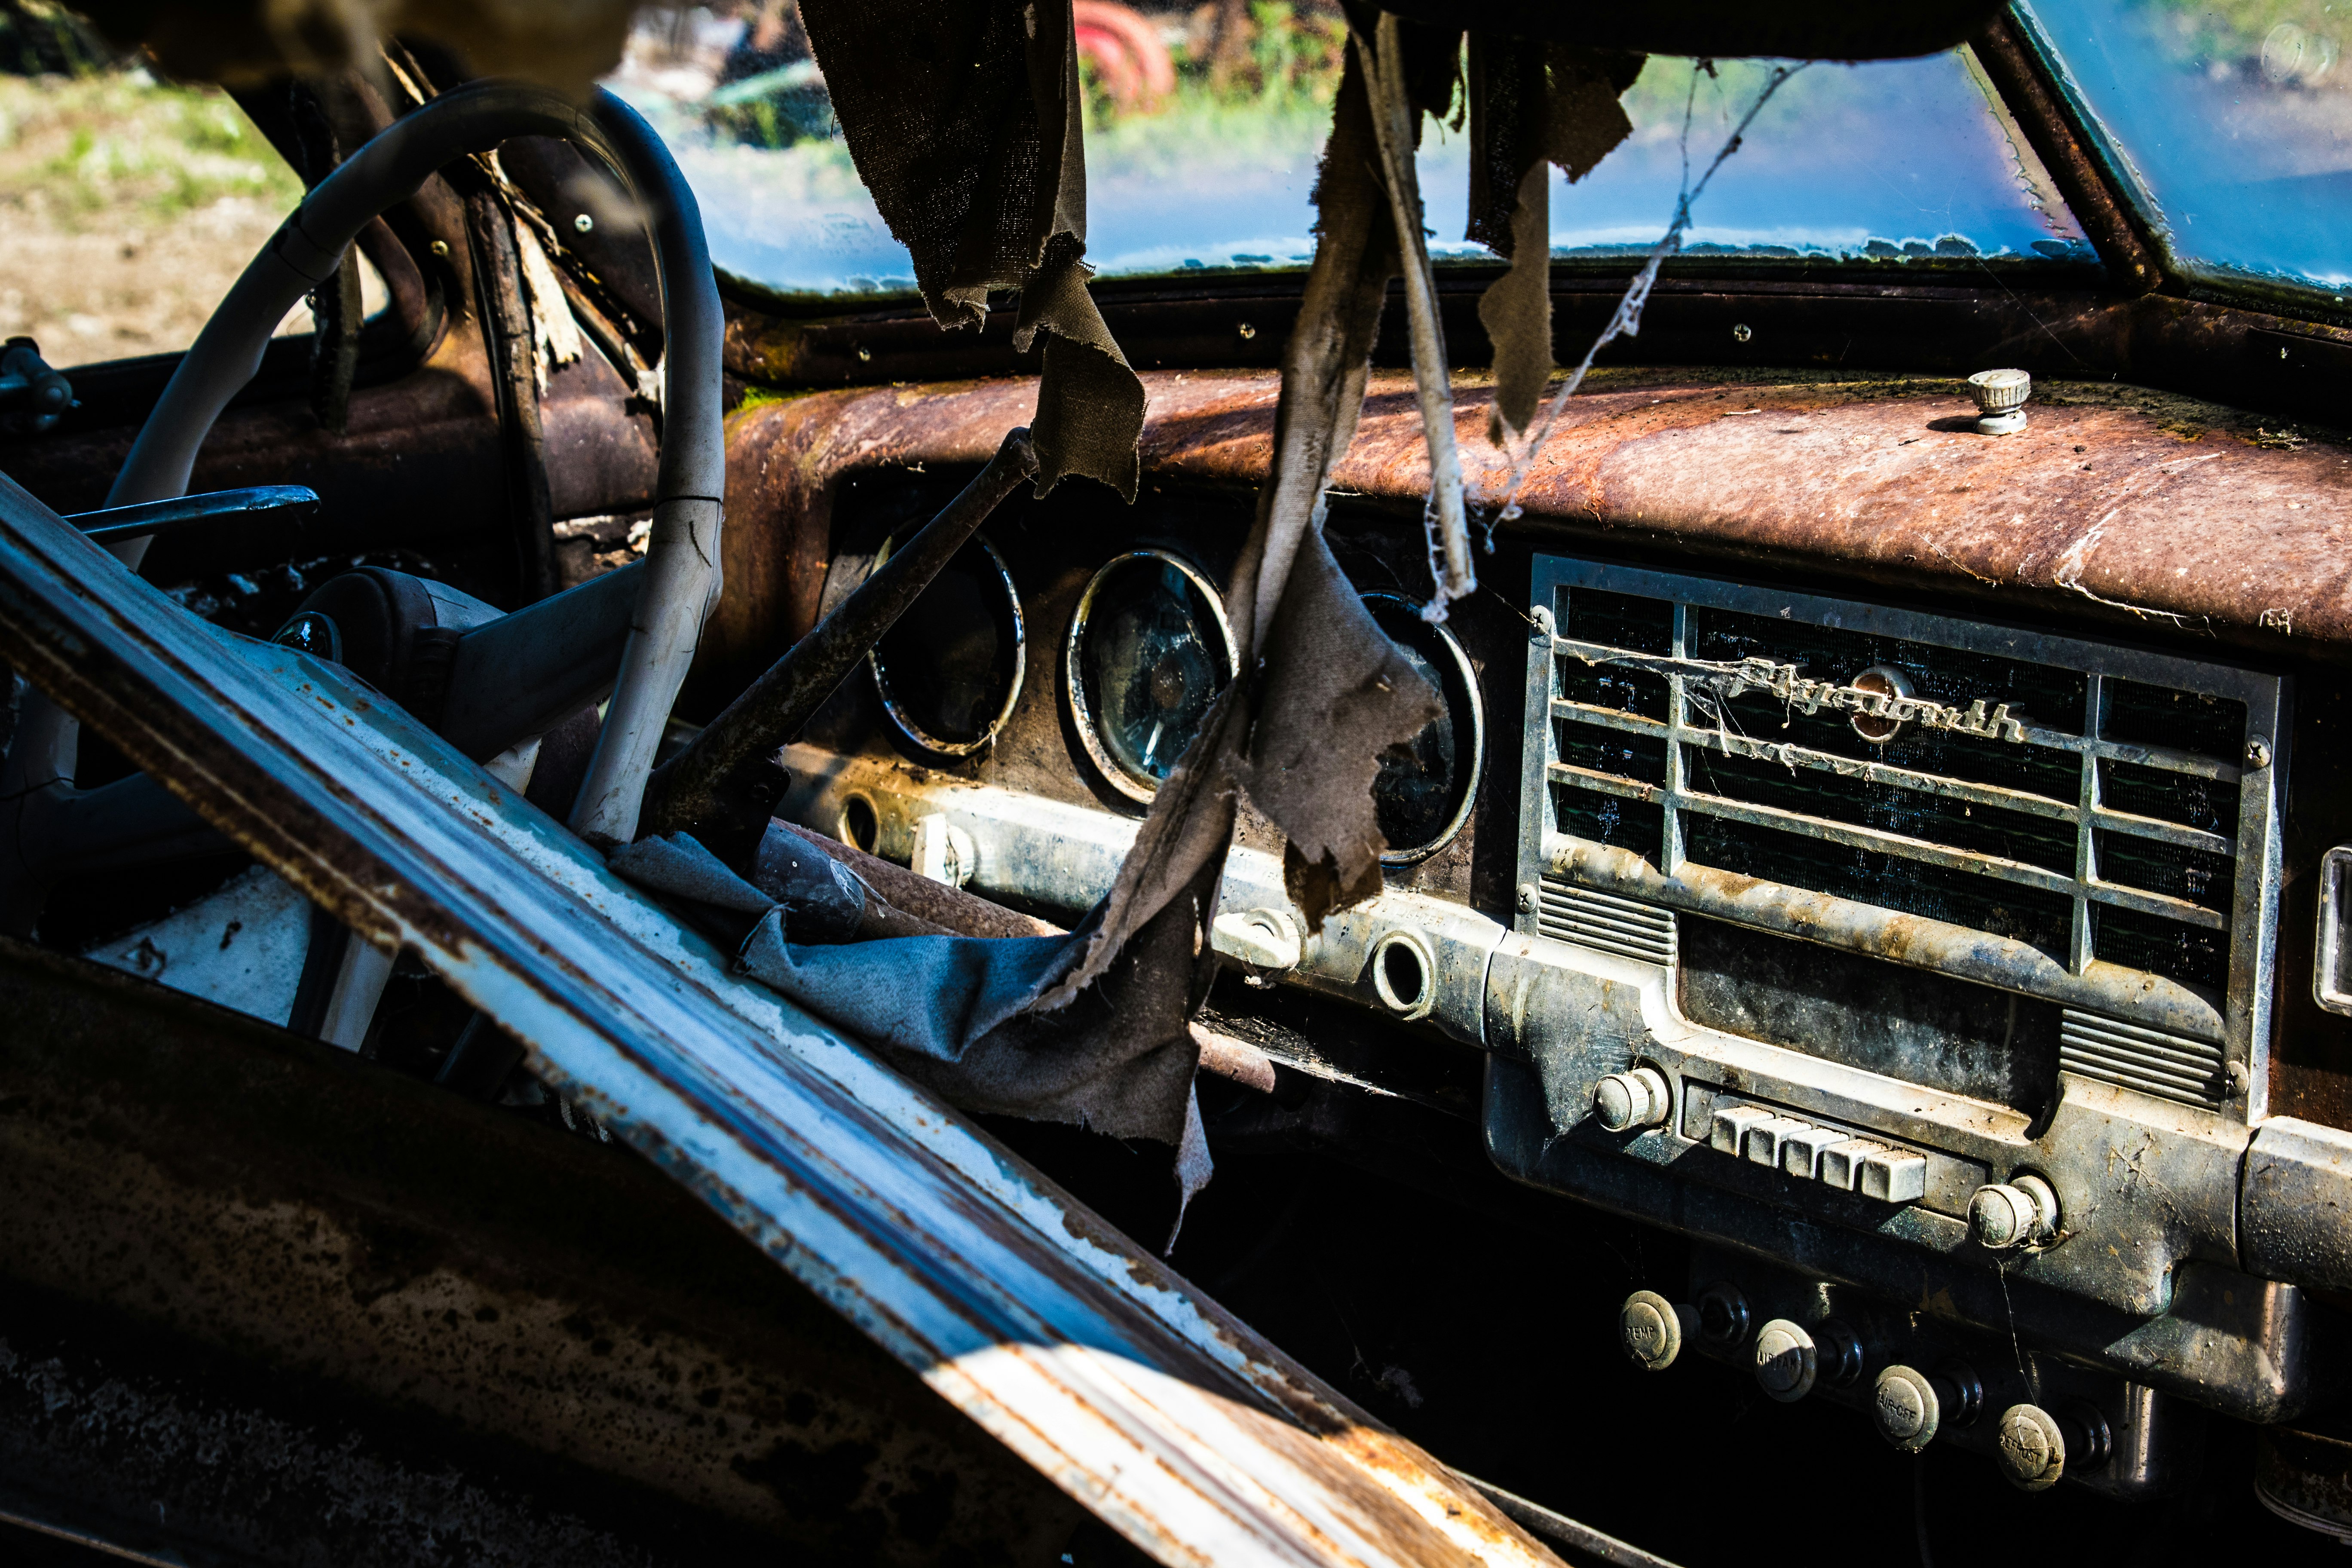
{"x": 1651, "y": 1330}
{"x": 1625, "y": 1101}
{"x": 2020, "y": 1212}
{"x": 2031, "y": 1448}
{"x": 1786, "y": 1361}
{"x": 1907, "y": 1408}
{"x": 2000, "y": 398}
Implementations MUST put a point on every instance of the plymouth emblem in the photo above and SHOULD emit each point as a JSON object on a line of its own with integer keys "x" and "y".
{"x": 1879, "y": 703}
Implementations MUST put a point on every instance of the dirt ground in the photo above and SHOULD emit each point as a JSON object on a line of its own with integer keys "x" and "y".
{"x": 127, "y": 208}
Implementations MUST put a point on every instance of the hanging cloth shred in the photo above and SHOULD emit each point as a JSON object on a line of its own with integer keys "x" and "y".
{"x": 962, "y": 117}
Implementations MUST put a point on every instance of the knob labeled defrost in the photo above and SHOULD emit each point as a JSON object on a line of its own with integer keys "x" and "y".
{"x": 1625, "y": 1101}
{"x": 2032, "y": 1449}
{"x": 2020, "y": 1212}
{"x": 1786, "y": 1361}
{"x": 1651, "y": 1329}
{"x": 1907, "y": 1408}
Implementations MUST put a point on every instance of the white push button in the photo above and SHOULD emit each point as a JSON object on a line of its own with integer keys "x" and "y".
{"x": 1800, "y": 1152}
{"x": 1761, "y": 1142}
{"x": 1730, "y": 1125}
{"x": 1840, "y": 1165}
{"x": 1894, "y": 1176}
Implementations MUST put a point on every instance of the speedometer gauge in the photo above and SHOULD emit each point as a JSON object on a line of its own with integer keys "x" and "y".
{"x": 1426, "y": 787}
{"x": 950, "y": 671}
{"x": 1148, "y": 652}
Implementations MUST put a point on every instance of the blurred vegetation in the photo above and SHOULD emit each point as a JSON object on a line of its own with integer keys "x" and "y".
{"x": 76, "y": 150}
{"x": 2286, "y": 42}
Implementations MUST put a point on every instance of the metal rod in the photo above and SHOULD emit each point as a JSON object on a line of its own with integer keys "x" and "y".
{"x": 263, "y": 501}
{"x": 694, "y": 787}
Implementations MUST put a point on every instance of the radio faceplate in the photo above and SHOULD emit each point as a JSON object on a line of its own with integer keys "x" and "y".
{"x": 2073, "y": 823}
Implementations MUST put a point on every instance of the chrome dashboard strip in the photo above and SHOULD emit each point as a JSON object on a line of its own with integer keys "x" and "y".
{"x": 1086, "y": 1356}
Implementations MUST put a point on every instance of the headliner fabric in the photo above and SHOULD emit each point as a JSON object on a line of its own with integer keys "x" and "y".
{"x": 1532, "y": 104}
{"x": 963, "y": 119}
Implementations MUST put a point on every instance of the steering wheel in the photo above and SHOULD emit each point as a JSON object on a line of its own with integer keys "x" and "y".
{"x": 663, "y": 609}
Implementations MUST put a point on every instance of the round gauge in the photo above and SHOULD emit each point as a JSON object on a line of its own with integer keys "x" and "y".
{"x": 1148, "y": 652}
{"x": 1425, "y": 788}
{"x": 950, "y": 670}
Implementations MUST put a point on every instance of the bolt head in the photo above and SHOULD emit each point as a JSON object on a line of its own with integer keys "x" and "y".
{"x": 583, "y": 223}
{"x": 2258, "y": 752}
{"x": 1528, "y": 895}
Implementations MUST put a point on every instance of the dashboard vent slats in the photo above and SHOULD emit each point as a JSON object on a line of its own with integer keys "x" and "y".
{"x": 1620, "y": 926}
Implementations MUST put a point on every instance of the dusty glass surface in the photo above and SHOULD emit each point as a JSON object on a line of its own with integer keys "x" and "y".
{"x": 1891, "y": 163}
{"x": 2237, "y": 116}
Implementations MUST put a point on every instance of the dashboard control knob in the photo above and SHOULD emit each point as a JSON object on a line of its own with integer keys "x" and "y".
{"x": 1625, "y": 1101}
{"x": 1723, "y": 1314}
{"x": 2020, "y": 1212}
{"x": 1907, "y": 1407}
{"x": 1261, "y": 939}
{"x": 2032, "y": 1446}
{"x": 1962, "y": 1390}
{"x": 1837, "y": 1353}
{"x": 1786, "y": 1361}
{"x": 1651, "y": 1329}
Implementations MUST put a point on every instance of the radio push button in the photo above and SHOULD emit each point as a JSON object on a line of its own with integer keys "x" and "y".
{"x": 1729, "y": 1129}
{"x": 1800, "y": 1152}
{"x": 1893, "y": 1176}
{"x": 1761, "y": 1144}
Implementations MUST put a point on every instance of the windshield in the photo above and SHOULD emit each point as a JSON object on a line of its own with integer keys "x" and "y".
{"x": 2236, "y": 116}
{"x": 1901, "y": 163}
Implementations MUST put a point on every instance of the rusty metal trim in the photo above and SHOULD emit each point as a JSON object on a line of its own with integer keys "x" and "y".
{"x": 1089, "y": 1358}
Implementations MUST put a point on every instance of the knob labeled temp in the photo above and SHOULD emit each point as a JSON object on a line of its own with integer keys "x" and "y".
{"x": 1651, "y": 1329}
{"x": 1786, "y": 1361}
{"x": 1625, "y": 1101}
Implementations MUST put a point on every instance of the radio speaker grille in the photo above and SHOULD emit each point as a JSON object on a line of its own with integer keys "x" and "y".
{"x": 2172, "y": 1067}
{"x": 1613, "y": 925}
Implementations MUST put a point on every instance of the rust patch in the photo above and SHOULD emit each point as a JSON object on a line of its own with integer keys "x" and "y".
{"x": 2150, "y": 513}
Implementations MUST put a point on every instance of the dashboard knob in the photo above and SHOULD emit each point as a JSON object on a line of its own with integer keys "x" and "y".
{"x": 1651, "y": 1329}
{"x": 2032, "y": 1446}
{"x": 1625, "y": 1101}
{"x": 1723, "y": 1313}
{"x": 1907, "y": 1408}
{"x": 1786, "y": 1361}
{"x": 2020, "y": 1212}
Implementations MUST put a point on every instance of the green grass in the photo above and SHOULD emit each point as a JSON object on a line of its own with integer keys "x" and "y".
{"x": 79, "y": 150}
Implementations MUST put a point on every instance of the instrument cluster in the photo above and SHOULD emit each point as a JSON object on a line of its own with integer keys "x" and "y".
{"x": 1076, "y": 650}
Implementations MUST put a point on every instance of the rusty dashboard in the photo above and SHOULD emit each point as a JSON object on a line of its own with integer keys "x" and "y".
{"x": 1884, "y": 856}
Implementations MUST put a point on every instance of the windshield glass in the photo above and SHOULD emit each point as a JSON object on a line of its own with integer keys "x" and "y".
{"x": 1899, "y": 163}
{"x": 2236, "y": 115}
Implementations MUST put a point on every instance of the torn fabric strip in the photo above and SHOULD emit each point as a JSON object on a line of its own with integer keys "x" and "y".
{"x": 955, "y": 1014}
{"x": 962, "y": 117}
{"x": 1532, "y": 105}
